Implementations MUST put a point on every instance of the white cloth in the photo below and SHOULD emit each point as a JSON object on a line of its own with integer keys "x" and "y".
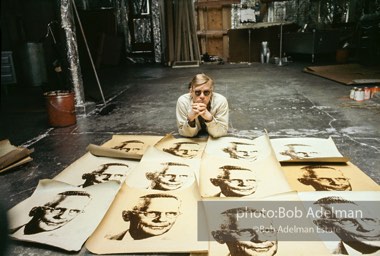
{"x": 217, "y": 127}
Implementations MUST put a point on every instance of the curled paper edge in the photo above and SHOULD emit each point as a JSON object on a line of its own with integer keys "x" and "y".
{"x": 109, "y": 152}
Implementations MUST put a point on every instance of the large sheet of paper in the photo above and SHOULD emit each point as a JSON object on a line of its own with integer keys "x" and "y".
{"x": 328, "y": 177}
{"x": 158, "y": 170}
{"x": 144, "y": 221}
{"x": 188, "y": 148}
{"x": 257, "y": 227}
{"x": 224, "y": 177}
{"x": 89, "y": 170}
{"x": 133, "y": 144}
{"x": 61, "y": 215}
{"x": 12, "y": 156}
{"x": 239, "y": 148}
{"x": 349, "y": 222}
{"x": 306, "y": 150}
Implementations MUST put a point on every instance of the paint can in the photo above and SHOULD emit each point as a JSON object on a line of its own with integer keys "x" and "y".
{"x": 359, "y": 94}
{"x": 374, "y": 90}
{"x": 367, "y": 93}
{"x": 60, "y": 108}
{"x": 352, "y": 93}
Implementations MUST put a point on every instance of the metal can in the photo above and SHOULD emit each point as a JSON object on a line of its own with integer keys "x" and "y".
{"x": 359, "y": 94}
{"x": 367, "y": 93}
{"x": 352, "y": 93}
{"x": 374, "y": 90}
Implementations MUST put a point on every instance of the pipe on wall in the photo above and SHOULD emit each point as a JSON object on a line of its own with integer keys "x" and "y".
{"x": 72, "y": 55}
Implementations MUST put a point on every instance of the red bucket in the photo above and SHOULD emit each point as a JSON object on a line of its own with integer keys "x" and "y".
{"x": 61, "y": 108}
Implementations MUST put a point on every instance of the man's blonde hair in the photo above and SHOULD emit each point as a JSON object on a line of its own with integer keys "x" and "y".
{"x": 200, "y": 79}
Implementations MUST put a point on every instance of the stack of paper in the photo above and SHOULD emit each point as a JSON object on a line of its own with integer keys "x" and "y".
{"x": 12, "y": 156}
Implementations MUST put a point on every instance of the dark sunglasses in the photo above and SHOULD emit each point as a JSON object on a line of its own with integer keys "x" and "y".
{"x": 205, "y": 92}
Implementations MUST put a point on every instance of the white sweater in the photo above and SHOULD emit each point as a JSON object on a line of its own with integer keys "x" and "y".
{"x": 217, "y": 127}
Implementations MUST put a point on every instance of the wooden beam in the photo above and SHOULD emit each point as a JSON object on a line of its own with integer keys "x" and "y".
{"x": 187, "y": 32}
{"x": 202, "y": 29}
{"x": 226, "y": 24}
{"x": 212, "y": 33}
{"x": 193, "y": 31}
{"x": 178, "y": 30}
{"x": 216, "y": 3}
{"x": 170, "y": 29}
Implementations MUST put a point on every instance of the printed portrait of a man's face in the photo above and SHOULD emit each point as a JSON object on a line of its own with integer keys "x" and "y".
{"x": 172, "y": 176}
{"x": 241, "y": 150}
{"x": 245, "y": 235}
{"x": 55, "y": 214}
{"x": 235, "y": 181}
{"x": 360, "y": 231}
{"x": 184, "y": 149}
{"x": 131, "y": 146}
{"x": 324, "y": 178}
{"x": 153, "y": 215}
{"x": 106, "y": 172}
{"x": 298, "y": 151}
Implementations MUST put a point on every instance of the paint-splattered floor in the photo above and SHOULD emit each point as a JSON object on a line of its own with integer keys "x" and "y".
{"x": 282, "y": 100}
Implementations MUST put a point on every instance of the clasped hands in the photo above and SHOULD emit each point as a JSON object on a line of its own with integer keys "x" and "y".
{"x": 199, "y": 109}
